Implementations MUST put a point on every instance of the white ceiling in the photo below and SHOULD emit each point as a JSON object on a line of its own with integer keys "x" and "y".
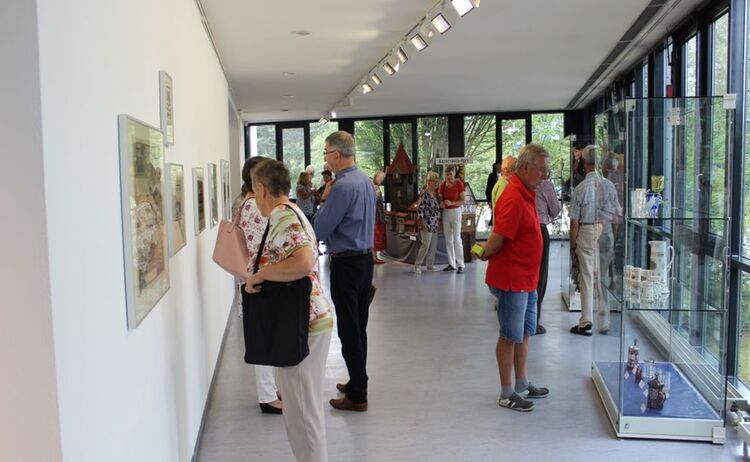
{"x": 505, "y": 56}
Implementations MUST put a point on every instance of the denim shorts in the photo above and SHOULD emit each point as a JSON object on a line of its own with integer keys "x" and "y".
{"x": 516, "y": 313}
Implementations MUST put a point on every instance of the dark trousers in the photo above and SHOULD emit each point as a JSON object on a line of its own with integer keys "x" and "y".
{"x": 351, "y": 278}
{"x": 542, "y": 285}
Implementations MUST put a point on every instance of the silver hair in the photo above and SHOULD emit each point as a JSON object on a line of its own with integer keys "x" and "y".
{"x": 589, "y": 155}
{"x": 341, "y": 141}
{"x": 528, "y": 155}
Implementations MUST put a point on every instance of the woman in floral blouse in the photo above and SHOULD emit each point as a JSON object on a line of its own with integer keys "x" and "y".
{"x": 428, "y": 212}
{"x": 290, "y": 253}
{"x": 253, "y": 224}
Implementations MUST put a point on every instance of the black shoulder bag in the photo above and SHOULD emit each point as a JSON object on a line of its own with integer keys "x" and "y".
{"x": 276, "y": 319}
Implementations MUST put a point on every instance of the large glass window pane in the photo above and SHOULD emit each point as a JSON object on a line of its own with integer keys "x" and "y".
{"x": 479, "y": 146}
{"x": 432, "y": 140}
{"x": 400, "y": 133}
{"x": 743, "y": 368}
{"x": 691, "y": 68}
{"x": 513, "y": 136}
{"x": 318, "y": 134}
{"x": 368, "y": 137}
{"x": 293, "y": 152}
{"x": 720, "y": 66}
{"x": 263, "y": 141}
{"x": 547, "y": 130}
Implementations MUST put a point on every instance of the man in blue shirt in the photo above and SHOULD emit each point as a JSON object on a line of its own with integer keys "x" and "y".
{"x": 346, "y": 223}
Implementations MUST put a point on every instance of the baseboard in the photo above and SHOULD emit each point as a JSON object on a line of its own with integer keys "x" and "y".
{"x": 210, "y": 393}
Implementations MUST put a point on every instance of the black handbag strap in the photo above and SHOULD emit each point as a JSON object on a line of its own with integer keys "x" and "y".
{"x": 265, "y": 235}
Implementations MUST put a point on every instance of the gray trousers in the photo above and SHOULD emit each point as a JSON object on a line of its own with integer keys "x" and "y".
{"x": 427, "y": 248}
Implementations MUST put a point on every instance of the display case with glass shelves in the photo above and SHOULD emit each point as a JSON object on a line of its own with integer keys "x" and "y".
{"x": 660, "y": 322}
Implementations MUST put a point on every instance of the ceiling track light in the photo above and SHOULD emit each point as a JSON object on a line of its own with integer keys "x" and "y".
{"x": 402, "y": 55}
{"x": 418, "y": 42}
{"x": 323, "y": 120}
{"x": 366, "y": 88}
{"x": 440, "y": 23}
{"x": 463, "y": 7}
{"x": 376, "y": 79}
{"x": 390, "y": 70}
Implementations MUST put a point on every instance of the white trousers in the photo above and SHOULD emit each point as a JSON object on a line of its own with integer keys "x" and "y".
{"x": 452, "y": 231}
{"x": 595, "y": 251}
{"x": 265, "y": 383}
{"x": 302, "y": 389}
{"x": 427, "y": 248}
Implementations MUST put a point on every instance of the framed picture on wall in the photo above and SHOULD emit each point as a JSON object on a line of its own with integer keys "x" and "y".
{"x": 176, "y": 210}
{"x": 226, "y": 194}
{"x": 166, "y": 105}
{"x": 143, "y": 217}
{"x": 199, "y": 206}
{"x": 212, "y": 195}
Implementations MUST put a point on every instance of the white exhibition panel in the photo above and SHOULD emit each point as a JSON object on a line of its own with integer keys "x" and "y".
{"x": 124, "y": 394}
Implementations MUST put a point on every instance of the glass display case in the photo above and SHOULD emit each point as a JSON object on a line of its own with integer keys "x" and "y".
{"x": 660, "y": 311}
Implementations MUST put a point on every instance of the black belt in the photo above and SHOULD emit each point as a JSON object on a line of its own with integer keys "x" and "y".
{"x": 351, "y": 253}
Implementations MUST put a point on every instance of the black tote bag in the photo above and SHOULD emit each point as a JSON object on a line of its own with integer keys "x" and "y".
{"x": 276, "y": 319}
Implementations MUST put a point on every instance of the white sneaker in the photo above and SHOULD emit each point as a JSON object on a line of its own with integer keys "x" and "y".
{"x": 432, "y": 268}
{"x": 417, "y": 270}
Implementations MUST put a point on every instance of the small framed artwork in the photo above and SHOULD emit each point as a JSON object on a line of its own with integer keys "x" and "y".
{"x": 176, "y": 218}
{"x": 166, "y": 105}
{"x": 226, "y": 193}
{"x": 212, "y": 195}
{"x": 199, "y": 206}
{"x": 143, "y": 217}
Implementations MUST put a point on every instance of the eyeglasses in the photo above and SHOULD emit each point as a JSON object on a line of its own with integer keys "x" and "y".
{"x": 328, "y": 152}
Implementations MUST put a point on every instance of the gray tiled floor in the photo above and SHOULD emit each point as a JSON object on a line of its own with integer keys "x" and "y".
{"x": 434, "y": 385}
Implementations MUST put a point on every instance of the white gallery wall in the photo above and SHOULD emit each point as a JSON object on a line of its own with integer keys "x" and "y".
{"x": 29, "y": 429}
{"x": 127, "y": 395}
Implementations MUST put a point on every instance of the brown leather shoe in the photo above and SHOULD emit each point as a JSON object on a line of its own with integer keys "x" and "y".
{"x": 344, "y": 404}
{"x": 341, "y": 387}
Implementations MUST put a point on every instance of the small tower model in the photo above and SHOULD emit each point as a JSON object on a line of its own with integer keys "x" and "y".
{"x": 401, "y": 175}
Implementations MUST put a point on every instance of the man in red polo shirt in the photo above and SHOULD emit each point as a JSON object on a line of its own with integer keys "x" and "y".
{"x": 514, "y": 251}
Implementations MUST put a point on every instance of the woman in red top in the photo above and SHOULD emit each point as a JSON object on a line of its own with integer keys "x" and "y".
{"x": 451, "y": 194}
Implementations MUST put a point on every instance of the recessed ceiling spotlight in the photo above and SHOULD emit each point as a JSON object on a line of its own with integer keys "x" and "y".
{"x": 289, "y": 74}
{"x": 284, "y": 110}
{"x": 390, "y": 70}
{"x": 418, "y": 42}
{"x": 401, "y": 55}
{"x": 376, "y": 79}
{"x": 464, "y": 6}
{"x": 441, "y": 24}
{"x": 301, "y": 33}
{"x": 288, "y": 96}
{"x": 366, "y": 88}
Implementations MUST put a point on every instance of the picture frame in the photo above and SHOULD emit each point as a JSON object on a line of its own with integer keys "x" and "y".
{"x": 166, "y": 106}
{"x": 176, "y": 233}
{"x": 199, "y": 205}
{"x": 145, "y": 245}
{"x": 212, "y": 194}
{"x": 226, "y": 190}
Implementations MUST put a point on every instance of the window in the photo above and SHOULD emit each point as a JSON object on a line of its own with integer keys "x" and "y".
{"x": 368, "y": 137}
{"x": 479, "y": 146}
{"x": 263, "y": 141}
{"x": 547, "y": 130}
{"x": 743, "y": 368}
{"x": 293, "y": 153}
{"x": 432, "y": 139}
{"x": 513, "y": 136}
{"x": 691, "y": 68}
{"x": 720, "y": 68}
{"x": 318, "y": 134}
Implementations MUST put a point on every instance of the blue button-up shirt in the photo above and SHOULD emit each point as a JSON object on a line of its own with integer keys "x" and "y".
{"x": 347, "y": 219}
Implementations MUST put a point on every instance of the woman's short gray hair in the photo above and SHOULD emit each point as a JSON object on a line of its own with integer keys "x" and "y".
{"x": 529, "y": 154}
{"x": 341, "y": 141}
{"x": 274, "y": 176}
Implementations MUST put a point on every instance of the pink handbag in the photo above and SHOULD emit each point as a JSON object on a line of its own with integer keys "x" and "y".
{"x": 230, "y": 251}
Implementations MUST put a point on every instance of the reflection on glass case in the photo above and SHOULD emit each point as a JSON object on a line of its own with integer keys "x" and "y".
{"x": 660, "y": 288}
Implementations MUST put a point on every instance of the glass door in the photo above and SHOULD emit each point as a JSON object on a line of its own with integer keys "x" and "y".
{"x": 295, "y": 153}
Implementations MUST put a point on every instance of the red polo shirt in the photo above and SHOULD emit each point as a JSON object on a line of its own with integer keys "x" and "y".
{"x": 516, "y": 266}
{"x": 451, "y": 193}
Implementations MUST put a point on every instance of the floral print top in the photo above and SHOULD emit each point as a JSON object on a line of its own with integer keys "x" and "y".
{"x": 429, "y": 211}
{"x": 285, "y": 236}
{"x": 253, "y": 224}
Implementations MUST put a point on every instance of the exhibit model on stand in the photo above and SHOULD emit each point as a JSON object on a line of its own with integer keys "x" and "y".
{"x": 661, "y": 368}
